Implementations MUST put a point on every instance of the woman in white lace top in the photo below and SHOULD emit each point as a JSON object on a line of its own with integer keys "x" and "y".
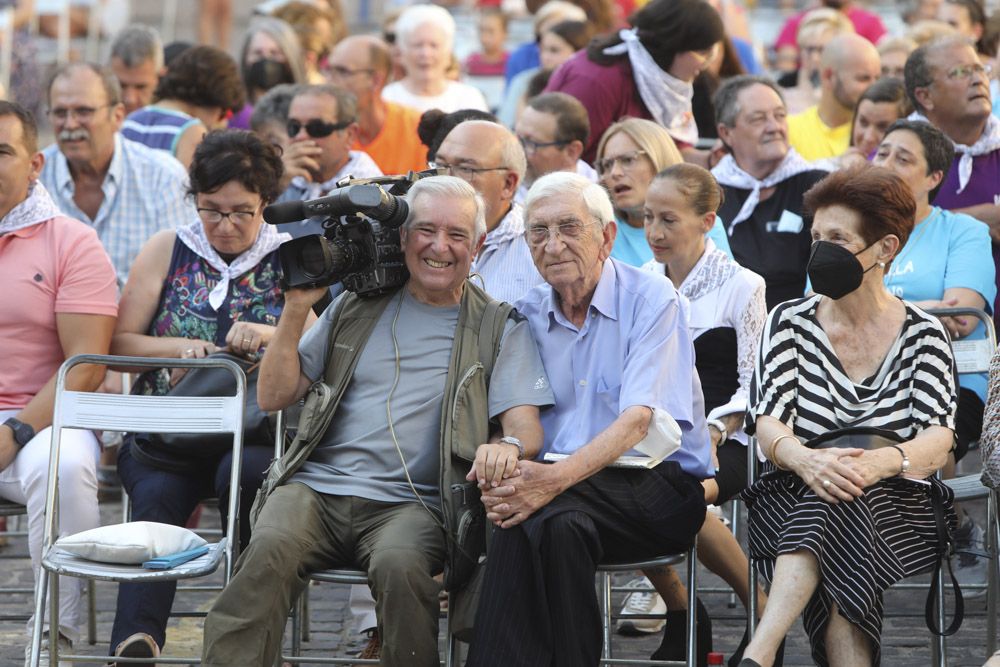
{"x": 727, "y": 314}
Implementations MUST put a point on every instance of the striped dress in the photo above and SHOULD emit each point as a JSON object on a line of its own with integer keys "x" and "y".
{"x": 866, "y": 545}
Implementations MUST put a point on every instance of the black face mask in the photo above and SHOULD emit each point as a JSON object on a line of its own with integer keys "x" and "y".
{"x": 266, "y": 74}
{"x": 835, "y": 271}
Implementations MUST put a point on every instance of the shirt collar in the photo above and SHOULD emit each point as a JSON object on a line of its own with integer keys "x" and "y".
{"x": 510, "y": 227}
{"x": 64, "y": 178}
{"x": 604, "y": 300}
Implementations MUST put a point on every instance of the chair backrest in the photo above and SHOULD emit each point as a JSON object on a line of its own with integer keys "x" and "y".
{"x": 149, "y": 414}
{"x": 971, "y": 355}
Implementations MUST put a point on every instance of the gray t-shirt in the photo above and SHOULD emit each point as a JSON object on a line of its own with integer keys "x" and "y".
{"x": 357, "y": 456}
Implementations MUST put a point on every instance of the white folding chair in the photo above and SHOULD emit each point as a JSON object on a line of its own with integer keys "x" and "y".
{"x": 153, "y": 414}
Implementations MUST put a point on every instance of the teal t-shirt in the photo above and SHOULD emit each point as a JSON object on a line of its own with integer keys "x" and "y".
{"x": 946, "y": 250}
{"x": 631, "y": 246}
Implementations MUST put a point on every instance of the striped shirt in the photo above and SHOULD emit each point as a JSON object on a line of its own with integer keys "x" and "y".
{"x": 799, "y": 379}
{"x": 157, "y": 127}
{"x": 144, "y": 192}
{"x": 504, "y": 262}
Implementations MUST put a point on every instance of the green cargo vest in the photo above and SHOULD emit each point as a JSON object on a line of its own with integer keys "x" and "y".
{"x": 465, "y": 420}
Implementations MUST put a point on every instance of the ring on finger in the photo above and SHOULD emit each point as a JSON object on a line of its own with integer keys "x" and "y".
{"x": 826, "y": 483}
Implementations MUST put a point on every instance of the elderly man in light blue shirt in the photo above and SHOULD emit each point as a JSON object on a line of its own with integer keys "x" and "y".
{"x": 615, "y": 345}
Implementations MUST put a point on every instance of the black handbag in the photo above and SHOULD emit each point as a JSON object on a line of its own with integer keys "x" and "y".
{"x": 176, "y": 451}
{"x": 868, "y": 438}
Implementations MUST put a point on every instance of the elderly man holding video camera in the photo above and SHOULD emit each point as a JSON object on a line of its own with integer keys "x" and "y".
{"x": 399, "y": 394}
{"x": 617, "y": 350}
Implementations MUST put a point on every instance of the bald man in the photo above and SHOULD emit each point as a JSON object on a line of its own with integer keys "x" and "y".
{"x": 489, "y": 157}
{"x": 849, "y": 65}
{"x": 386, "y": 131}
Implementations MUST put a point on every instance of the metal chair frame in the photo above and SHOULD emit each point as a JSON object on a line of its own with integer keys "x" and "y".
{"x": 605, "y": 570}
{"x": 156, "y": 414}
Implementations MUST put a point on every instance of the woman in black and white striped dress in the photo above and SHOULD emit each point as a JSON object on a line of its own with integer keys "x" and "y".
{"x": 833, "y": 528}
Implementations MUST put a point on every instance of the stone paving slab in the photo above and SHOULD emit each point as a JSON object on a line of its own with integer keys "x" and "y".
{"x": 906, "y": 639}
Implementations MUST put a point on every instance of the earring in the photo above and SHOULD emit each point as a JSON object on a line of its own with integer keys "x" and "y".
{"x": 881, "y": 265}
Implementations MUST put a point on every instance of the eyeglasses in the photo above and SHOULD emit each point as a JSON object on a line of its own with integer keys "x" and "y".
{"x": 81, "y": 114}
{"x": 344, "y": 72}
{"x": 315, "y": 128}
{"x": 532, "y": 146}
{"x": 213, "y": 216}
{"x": 967, "y": 71}
{"x": 463, "y": 171}
{"x": 626, "y": 160}
{"x": 568, "y": 231}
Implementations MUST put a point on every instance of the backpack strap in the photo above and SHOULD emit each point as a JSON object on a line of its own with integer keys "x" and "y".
{"x": 491, "y": 332}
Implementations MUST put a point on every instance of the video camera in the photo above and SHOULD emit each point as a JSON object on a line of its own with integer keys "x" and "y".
{"x": 360, "y": 244}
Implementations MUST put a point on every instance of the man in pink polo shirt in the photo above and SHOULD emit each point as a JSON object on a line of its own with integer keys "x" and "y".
{"x": 60, "y": 299}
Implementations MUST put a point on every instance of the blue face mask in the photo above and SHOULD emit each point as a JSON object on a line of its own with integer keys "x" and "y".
{"x": 835, "y": 271}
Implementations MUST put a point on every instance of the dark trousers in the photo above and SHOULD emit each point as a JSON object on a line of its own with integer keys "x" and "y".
{"x": 538, "y": 604}
{"x": 170, "y": 497}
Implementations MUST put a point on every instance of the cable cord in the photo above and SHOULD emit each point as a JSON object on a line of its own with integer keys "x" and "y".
{"x": 388, "y": 415}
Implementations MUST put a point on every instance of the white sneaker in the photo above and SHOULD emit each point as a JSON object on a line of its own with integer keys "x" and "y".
{"x": 65, "y": 646}
{"x": 643, "y": 601}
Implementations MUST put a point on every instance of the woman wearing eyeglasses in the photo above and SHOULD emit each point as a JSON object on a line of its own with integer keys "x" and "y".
{"x": 211, "y": 285}
{"x": 629, "y": 155}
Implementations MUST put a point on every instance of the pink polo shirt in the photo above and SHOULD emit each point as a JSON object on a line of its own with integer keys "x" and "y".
{"x": 56, "y": 266}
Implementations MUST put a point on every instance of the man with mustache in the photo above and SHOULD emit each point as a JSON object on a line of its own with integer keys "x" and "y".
{"x": 764, "y": 181}
{"x": 124, "y": 190}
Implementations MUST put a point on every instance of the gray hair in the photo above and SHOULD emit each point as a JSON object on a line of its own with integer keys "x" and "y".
{"x": 136, "y": 44}
{"x": 727, "y": 109}
{"x": 109, "y": 82}
{"x": 272, "y": 107}
{"x": 917, "y": 71}
{"x": 417, "y": 15}
{"x": 347, "y": 104}
{"x": 287, "y": 40}
{"x": 578, "y": 187}
{"x": 453, "y": 187}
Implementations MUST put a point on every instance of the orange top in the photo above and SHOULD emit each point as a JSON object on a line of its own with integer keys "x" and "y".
{"x": 397, "y": 148}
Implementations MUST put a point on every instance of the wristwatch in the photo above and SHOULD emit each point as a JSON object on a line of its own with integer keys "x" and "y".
{"x": 511, "y": 440}
{"x": 719, "y": 426}
{"x": 23, "y": 433}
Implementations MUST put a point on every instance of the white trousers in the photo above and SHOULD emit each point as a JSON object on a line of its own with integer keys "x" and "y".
{"x": 25, "y": 482}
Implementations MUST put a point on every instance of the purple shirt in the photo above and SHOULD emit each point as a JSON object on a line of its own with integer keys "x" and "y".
{"x": 634, "y": 348}
{"x": 983, "y": 188}
{"x": 607, "y": 93}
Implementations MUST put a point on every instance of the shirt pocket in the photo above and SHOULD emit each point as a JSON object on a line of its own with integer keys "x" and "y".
{"x": 609, "y": 392}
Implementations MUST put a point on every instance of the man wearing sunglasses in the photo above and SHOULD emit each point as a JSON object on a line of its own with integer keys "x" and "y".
{"x": 322, "y": 127}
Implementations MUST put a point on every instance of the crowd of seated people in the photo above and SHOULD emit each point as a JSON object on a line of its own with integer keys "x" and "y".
{"x": 733, "y": 251}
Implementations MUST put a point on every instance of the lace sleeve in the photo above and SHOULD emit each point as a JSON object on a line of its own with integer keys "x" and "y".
{"x": 749, "y": 327}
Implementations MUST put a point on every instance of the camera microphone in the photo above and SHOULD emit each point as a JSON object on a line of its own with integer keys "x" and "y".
{"x": 289, "y": 211}
{"x": 369, "y": 199}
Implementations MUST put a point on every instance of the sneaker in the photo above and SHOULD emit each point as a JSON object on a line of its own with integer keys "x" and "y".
{"x": 65, "y": 646}
{"x": 373, "y": 649}
{"x": 972, "y": 566}
{"x": 644, "y": 600}
{"x": 139, "y": 645}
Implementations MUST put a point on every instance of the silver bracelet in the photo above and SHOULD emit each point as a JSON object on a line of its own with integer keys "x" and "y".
{"x": 717, "y": 423}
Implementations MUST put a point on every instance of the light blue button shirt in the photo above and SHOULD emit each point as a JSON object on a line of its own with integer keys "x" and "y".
{"x": 145, "y": 190}
{"x": 633, "y": 349}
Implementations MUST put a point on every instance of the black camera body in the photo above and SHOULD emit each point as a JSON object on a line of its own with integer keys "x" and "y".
{"x": 360, "y": 245}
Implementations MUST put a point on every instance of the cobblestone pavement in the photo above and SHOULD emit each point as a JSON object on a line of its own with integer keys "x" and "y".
{"x": 906, "y": 641}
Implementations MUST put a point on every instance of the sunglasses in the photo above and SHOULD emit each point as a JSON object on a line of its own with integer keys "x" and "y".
{"x": 315, "y": 128}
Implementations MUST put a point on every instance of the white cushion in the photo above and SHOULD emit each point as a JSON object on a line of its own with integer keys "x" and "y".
{"x": 130, "y": 543}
